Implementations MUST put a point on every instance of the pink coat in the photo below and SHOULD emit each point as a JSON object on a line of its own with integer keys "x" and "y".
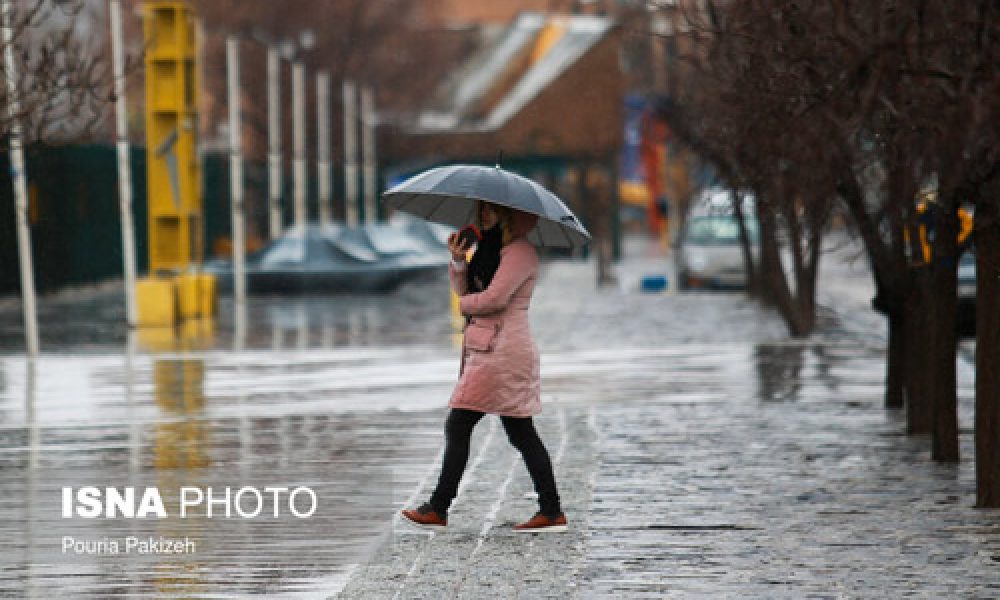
{"x": 500, "y": 367}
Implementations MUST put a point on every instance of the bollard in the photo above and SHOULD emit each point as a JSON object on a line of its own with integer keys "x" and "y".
{"x": 196, "y": 295}
{"x": 156, "y": 302}
{"x": 188, "y": 301}
{"x": 208, "y": 306}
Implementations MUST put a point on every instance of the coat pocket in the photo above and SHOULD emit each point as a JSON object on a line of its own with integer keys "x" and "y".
{"x": 481, "y": 336}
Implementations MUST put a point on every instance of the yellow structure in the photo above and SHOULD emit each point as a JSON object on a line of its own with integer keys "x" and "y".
{"x": 176, "y": 232}
{"x": 195, "y": 292}
{"x": 175, "y": 214}
{"x": 155, "y": 298}
{"x": 182, "y": 440}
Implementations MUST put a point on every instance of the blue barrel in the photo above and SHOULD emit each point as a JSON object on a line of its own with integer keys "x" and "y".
{"x": 653, "y": 283}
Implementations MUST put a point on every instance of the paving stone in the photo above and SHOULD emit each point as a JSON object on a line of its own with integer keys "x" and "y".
{"x": 700, "y": 453}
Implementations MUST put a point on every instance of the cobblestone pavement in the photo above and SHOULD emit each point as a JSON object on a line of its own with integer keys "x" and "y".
{"x": 708, "y": 466}
{"x": 699, "y": 453}
{"x": 713, "y": 488}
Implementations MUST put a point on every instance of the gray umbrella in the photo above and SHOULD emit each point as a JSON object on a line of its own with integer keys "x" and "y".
{"x": 448, "y": 194}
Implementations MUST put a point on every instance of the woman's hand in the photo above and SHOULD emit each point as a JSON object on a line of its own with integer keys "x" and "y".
{"x": 458, "y": 247}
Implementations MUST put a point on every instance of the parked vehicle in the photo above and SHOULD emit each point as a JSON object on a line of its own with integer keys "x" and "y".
{"x": 967, "y": 293}
{"x": 372, "y": 258}
{"x": 708, "y": 252}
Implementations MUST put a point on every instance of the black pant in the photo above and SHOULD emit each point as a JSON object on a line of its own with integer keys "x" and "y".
{"x": 522, "y": 435}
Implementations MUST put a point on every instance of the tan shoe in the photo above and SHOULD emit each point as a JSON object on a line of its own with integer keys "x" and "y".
{"x": 425, "y": 516}
{"x": 541, "y": 523}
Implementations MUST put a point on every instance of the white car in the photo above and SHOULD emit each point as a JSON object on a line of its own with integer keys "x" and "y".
{"x": 967, "y": 293}
{"x": 708, "y": 251}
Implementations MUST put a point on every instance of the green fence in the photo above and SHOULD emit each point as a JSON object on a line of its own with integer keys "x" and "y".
{"x": 75, "y": 222}
{"x": 73, "y": 210}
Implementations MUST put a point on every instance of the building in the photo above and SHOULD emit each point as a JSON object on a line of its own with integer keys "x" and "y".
{"x": 544, "y": 96}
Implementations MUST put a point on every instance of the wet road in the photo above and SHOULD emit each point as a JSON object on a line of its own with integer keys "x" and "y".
{"x": 699, "y": 453}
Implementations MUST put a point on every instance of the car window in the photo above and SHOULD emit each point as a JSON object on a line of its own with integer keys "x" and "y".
{"x": 718, "y": 230}
{"x": 969, "y": 256}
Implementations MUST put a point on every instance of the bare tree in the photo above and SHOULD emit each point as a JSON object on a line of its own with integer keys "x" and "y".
{"x": 374, "y": 42}
{"x": 736, "y": 98}
{"x": 63, "y": 70}
{"x": 873, "y": 100}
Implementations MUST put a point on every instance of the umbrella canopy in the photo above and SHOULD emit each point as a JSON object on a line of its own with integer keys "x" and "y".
{"x": 447, "y": 195}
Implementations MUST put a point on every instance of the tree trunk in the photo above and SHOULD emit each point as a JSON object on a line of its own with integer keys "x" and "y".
{"x": 987, "y": 354}
{"x": 593, "y": 189}
{"x": 603, "y": 218}
{"x": 889, "y": 275}
{"x": 894, "y": 298}
{"x": 943, "y": 338}
{"x": 895, "y": 366}
{"x": 753, "y": 286}
{"x": 774, "y": 284}
{"x": 918, "y": 340}
{"x": 770, "y": 260}
{"x": 805, "y": 286}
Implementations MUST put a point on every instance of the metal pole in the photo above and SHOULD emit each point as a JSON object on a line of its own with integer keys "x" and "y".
{"x": 135, "y": 426}
{"x": 274, "y": 139}
{"x": 20, "y": 188}
{"x": 661, "y": 28}
{"x": 299, "y": 135}
{"x": 323, "y": 141}
{"x": 124, "y": 166}
{"x": 236, "y": 172}
{"x": 368, "y": 133}
{"x": 199, "y": 77}
{"x": 350, "y": 154}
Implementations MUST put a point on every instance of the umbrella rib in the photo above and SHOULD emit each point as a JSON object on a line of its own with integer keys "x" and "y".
{"x": 440, "y": 201}
{"x": 566, "y": 235}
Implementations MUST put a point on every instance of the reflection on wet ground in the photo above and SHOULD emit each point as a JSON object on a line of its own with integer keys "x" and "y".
{"x": 702, "y": 453}
{"x": 782, "y": 369}
{"x": 331, "y": 420}
{"x": 309, "y": 397}
{"x": 92, "y": 320}
{"x": 173, "y": 431}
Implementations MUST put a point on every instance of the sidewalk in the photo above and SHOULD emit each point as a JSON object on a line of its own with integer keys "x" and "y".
{"x": 701, "y": 454}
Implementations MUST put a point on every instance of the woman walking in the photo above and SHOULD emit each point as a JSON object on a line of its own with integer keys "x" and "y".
{"x": 500, "y": 368}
